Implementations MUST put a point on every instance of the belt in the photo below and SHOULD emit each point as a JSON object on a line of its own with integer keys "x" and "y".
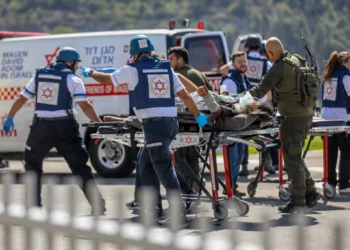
{"x": 153, "y": 119}
{"x": 67, "y": 117}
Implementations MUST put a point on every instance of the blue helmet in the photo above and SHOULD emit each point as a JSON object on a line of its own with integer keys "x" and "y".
{"x": 68, "y": 54}
{"x": 263, "y": 47}
{"x": 140, "y": 44}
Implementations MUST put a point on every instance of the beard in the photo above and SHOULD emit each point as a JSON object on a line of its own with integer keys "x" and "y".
{"x": 241, "y": 70}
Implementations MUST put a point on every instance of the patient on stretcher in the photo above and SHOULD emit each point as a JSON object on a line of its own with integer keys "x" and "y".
{"x": 230, "y": 115}
{"x": 225, "y": 113}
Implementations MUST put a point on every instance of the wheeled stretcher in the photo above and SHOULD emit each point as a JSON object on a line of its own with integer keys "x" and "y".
{"x": 323, "y": 128}
{"x": 129, "y": 133}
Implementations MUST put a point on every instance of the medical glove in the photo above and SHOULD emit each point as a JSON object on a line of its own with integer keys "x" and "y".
{"x": 106, "y": 70}
{"x": 202, "y": 120}
{"x": 8, "y": 124}
{"x": 86, "y": 72}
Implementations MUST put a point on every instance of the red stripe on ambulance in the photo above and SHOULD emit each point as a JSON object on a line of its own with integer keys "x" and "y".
{"x": 91, "y": 90}
{"x": 106, "y": 89}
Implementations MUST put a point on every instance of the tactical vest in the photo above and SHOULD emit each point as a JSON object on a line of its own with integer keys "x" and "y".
{"x": 51, "y": 88}
{"x": 307, "y": 84}
{"x": 155, "y": 88}
{"x": 257, "y": 68}
{"x": 334, "y": 93}
{"x": 238, "y": 80}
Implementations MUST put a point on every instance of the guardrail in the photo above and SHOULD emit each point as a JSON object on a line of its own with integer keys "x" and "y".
{"x": 112, "y": 234}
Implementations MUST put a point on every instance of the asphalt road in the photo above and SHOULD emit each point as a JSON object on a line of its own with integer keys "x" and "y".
{"x": 319, "y": 222}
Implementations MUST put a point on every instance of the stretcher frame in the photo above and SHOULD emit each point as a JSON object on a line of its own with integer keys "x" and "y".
{"x": 129, "y": 136}
{"x": 324, "y": 132}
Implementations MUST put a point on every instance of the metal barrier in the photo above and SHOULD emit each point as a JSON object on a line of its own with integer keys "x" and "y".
{"x": 119, "y": 234}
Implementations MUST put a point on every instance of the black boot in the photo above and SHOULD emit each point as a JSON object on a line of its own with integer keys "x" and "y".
{"x": 312, "y": 198}
{"x": 292, "y": 207}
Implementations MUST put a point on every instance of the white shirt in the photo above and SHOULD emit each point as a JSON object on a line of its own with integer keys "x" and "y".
{"x": 129, "y": 75}
{"x": 231, "y": 86}
{"x": 338, "y": 113}
{"x": 75, "y": 87}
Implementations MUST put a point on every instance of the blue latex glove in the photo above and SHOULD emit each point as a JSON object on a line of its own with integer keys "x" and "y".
{"x": 8, "y": 124}
{"x": 106, "y": 70}
{"x": 103, "y": 70}
{"x": 202, "y": 120}
{"x": 86, "y": 72}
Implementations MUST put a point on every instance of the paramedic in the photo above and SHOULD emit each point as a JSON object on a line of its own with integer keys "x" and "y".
{"x": 336, "y": 106}
{"x": 152, "y": 86}
{"x": 187, "y": 158}
{"x": 233, "y": 83}
{"x": 54, "y": 89}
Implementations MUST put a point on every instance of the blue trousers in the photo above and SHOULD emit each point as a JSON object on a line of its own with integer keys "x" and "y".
{"x": 185, "y": 187}
{"x": 237, "y": 153}
{"x": 155, "y": 163}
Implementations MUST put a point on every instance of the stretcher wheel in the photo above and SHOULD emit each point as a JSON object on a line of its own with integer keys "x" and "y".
{"x": 241, "y": 207}
{"x": 285, "y": 196}
{"x": 251, "y": 189}
{"x": 220, "y": 212}
{"x": 329, "y": 192}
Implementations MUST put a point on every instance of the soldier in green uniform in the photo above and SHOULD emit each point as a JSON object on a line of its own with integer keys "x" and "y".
{"x": 283, "y": 79}
{"x": 186, "y": 158}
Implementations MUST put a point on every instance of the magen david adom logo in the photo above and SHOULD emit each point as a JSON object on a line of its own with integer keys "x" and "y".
{"x": 159, "y": 86}
{"x": 48, "y": 93}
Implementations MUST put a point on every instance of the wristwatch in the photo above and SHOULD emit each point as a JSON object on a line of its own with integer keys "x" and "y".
{"x": 90, "y": 71}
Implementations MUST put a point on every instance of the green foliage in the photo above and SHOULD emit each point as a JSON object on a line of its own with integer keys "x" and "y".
{"x": 62, "y": 30}
{"x": 324, "y": 23}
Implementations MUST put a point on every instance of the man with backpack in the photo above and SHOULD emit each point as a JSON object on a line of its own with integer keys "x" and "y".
{"x": 288, "y": 77}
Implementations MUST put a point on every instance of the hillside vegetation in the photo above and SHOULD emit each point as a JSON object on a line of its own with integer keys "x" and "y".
{"x": 324, "y": 23}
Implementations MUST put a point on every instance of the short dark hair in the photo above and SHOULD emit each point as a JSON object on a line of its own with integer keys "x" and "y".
{"x": 237, "y": 54}
{"x": 179, "y": 52}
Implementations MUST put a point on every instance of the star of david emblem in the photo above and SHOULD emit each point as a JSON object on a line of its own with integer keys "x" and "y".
{"x": 329, "y": 90}
{"x": 188, "y": 140}
{"x": 159, "y": 86}
{"x": 50, "y": 57}
{"x": 47, "y": 93}
{"x": 253, "y": 68}
{"x": 143, "y": 43}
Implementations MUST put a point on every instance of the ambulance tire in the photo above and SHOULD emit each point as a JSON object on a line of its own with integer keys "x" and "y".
{"x": 117, "y": 164}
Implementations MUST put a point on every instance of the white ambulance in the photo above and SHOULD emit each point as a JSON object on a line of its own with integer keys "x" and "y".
{"x": 20, "y": 57}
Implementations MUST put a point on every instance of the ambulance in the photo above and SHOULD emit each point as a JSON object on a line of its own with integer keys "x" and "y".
{"x": 21, "y": 56}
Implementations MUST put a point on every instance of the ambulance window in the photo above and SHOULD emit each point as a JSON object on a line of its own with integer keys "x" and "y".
{"x": 241, "y": 45}
{"x": 206, "y": 53}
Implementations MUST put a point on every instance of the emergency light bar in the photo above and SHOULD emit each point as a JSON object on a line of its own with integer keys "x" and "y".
{"x": 201, "y": 25}
{"x": 185, "y": 23}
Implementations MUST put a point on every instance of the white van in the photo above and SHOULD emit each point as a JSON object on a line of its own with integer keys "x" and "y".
{"x": 20, "y": 57}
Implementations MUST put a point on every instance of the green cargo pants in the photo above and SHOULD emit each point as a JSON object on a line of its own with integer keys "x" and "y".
{"x": 293, "y": 134}
{"x": 186, "y": 158}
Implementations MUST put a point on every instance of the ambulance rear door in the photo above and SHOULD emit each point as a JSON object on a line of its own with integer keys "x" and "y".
{"x": 208, "y": 52}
